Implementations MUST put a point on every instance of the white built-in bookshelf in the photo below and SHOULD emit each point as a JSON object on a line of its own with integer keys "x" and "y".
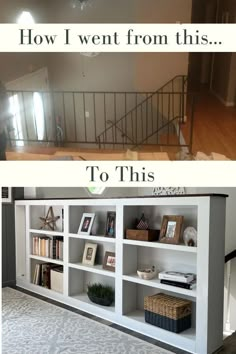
{"x": 206, "y": 213}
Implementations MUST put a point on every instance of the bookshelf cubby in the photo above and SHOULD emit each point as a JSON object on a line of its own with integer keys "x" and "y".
{"x": 206, "y": 213}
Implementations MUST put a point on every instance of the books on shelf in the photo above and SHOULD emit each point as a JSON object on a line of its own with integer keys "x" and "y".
{"x": 177, "y": 276}
{"x": 191, "y": 285}
{"x": 50, "y": 247}
{"x": 42, "y": 274}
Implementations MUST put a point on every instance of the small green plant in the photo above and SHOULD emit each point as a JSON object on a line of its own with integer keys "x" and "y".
{"x": 101, "y": 291}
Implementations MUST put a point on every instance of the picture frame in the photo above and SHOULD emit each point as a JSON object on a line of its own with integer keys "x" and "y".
{"x": 6, "y": 194}
{"x": 171, "y": 229}
{"x": 109, "y": 262}
{"x": 86, "y": 223}
{"x": 111, "y": 224}
{"x": 90, "y": 250}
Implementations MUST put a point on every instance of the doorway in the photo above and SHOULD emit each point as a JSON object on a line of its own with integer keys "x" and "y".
{"x": 201, "y": 64}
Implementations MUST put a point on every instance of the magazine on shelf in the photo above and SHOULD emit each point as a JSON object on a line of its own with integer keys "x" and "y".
{"x": 177, "y": 276}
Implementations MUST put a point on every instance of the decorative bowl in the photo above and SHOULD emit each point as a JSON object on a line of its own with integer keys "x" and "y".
{"x": 147, "y": 273}
{"x": 99, "y": 300}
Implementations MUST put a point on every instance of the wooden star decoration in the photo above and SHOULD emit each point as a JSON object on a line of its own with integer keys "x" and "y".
{"x": 49, "y": 220}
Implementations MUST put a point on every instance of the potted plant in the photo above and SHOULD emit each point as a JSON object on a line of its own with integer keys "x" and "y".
{"x": 101, "y": 294}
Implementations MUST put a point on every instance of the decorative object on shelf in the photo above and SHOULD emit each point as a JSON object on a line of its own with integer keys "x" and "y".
{"x": 109, "y": 262}
{"x": 142, "y": 231}
{"x": 86, "y": 223}
{"x": 101, "y": 294}
{"x": 142, "y": 223}
{"x": 89, "y": 255}
{"x": 168, "y": 191}
{"x": 171, "y": 229}
{"x": 6, "y": 194}
{"x": 190, "y": 236}
{"x": 168, "y": 312}
{"x": 147, "y": 273}
{"x": 111, "y": 224}
{"x": 50, "y": 220}
{"x": 142, "y": 235}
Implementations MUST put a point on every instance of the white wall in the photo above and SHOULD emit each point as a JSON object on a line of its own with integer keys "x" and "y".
{"x": 112, "y": 72}
{"x": 15, "y": 65}
{"x": 119, "y": 71}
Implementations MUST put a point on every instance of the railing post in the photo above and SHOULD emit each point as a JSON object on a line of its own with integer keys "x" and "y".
{"x": 99, "y": 142}
{"x": 228, "y": 271}
{"x": 182, "y": 113}
{"x": 191, "y": 125}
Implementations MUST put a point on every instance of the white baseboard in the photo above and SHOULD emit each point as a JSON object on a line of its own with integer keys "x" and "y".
{"x": 225, "y": 103}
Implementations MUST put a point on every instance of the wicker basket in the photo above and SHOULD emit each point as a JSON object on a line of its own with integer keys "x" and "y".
{"x": 168, "y": 312}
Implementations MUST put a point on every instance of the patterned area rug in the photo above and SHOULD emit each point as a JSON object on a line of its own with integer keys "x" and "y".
{"x": 33, "y": 326}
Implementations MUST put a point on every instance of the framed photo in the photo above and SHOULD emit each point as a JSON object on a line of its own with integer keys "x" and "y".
{"x": 89, "y": 255}
{"x": 111, "y": 224}
{"x": 86, "y": 224}
{"x": 171, "y": 229}
{"x": 109, "y": 262}
{"x": 6, "y": 194}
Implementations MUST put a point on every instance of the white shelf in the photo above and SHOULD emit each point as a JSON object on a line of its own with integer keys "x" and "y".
{"x": 155, "y": 283}
{"x": 138, "y": 316}
{"x": 93, "y": 238}
{"x": 46, "y": 259}
{"x": 46, "y": 232}
{"x": 187, "y": 338}
{"x": 97, "y": 268}
{"x": 84, "y": 298}
{"x": 206, "y": 213}
{"x": 156, "y": 244}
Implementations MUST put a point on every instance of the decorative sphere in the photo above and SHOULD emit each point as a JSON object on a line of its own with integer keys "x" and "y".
{"x": 190, "y": 236}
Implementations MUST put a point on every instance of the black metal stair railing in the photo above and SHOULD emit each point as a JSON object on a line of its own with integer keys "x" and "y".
{"x": 100, "y": 119}
{"x": 156, "y": 120}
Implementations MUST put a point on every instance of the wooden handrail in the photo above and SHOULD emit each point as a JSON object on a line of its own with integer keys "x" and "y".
{"x": 230, "y": 256}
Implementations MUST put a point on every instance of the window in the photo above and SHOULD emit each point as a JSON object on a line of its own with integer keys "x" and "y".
{"x": 16, "y": 121}
{"x": 39, "y": 115}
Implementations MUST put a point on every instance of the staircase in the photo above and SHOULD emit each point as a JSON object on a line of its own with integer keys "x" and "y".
{"x": 154, "y": 121}
{"x": 101, "y": 120}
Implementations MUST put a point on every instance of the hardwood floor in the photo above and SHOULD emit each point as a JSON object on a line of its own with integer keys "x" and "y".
{"x": 214, "y": 127}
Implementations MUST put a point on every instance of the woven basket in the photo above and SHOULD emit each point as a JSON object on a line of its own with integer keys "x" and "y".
{"x": 168, "y": 312}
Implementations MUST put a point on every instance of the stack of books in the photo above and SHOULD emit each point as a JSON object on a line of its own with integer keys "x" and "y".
{"x": 181, "y": 280}
{"x": 42, "y": 274}
{"x": 45, "y": 246}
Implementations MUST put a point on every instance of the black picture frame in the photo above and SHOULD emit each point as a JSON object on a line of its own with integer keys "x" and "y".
{"x": 111, "y": 224}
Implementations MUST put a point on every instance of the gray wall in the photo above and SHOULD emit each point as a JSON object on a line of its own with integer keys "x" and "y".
{"x": 70, "y": 192}
{"x": 8, "y": 240}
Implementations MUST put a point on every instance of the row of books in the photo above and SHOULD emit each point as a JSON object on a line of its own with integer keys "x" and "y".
{"x": 181, "y": 280}
{"x": 42, "y": 274}
{"x": 48, "y": 247}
